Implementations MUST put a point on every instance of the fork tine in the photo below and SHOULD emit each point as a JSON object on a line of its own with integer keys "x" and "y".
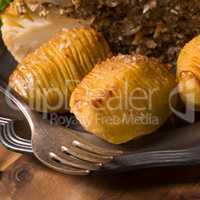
{"x": 67, "y": 170}
{"x": 72, "y": 162}
{"x": 87, "y": 156}
{"x": 46, "y": 160}
{"x": 95, "y": 149}
{"x": 91, "y": 147}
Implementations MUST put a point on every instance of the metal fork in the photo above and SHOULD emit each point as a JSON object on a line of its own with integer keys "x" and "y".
{"x": 11, "y": 140}
{"x": 60, "y": 148}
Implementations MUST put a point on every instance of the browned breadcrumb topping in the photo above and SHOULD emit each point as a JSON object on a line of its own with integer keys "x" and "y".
{"x": 156, "y": 28}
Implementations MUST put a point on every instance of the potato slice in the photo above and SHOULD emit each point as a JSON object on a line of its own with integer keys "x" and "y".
{"x": 46, "y": 78}
{"x": 123, "y": 98}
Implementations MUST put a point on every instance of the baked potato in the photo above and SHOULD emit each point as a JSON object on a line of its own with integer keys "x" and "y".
{"x": 46, "y": 77}
{"x": 123, "y": 98}
{"x": 188, "y": 73}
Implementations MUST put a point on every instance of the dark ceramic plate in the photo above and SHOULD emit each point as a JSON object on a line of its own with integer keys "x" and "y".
{"x": 176, "y": 144}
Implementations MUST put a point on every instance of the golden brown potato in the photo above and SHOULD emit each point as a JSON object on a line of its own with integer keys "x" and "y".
{"x": 123, "y": 98}
{"x": 188, "y": 73}
{"x": 46, "y": 78}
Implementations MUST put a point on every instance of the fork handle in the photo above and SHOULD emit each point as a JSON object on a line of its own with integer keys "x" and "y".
{"x": 11, "y": 144}
{"x": 16, "y": 99}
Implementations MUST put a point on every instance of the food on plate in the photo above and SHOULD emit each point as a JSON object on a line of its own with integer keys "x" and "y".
{"x": 150, "y": 27}
{"x": 46, "y": 78}
{"x": 57, "y": 43}
{"x": 123, "y": 98}
{"x": 157, "y": 28}
{"x": 24, "y": 30}
{"x": 188, "y": 73}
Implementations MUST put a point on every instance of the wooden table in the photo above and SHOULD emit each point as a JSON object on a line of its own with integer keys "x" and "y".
{"x": 27, "y": 179}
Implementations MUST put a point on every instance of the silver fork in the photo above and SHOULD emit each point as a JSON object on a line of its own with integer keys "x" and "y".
{"x": 60, "y": 148}
{"x": 10, "y": 139}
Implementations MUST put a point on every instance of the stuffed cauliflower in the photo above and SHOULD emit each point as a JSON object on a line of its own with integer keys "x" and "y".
{"x": 25, "y": 28}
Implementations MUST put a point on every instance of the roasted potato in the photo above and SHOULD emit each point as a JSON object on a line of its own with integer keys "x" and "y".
{"x": 123, "y": 98}
{"x": 188, "y": 73}
{"x": 46, "y": 77}
{"x": 24, "y": 30}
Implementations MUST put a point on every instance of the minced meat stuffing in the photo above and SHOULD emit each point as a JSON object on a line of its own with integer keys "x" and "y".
{"x": 156, "y": 28}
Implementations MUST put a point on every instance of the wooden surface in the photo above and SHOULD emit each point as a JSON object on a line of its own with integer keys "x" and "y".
{"x": 27, "y": 179}
{"x": 6, "y": 158}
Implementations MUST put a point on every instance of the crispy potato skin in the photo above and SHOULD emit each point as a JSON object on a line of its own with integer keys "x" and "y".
{"x": 188, "y": 73}
{"x": 47, "y": 77}
{"x": 120, "y": 90}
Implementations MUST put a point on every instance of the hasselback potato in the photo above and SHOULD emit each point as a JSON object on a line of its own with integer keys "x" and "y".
{"x": 46, "y": 77}
{"x": 188, "y": 73}
{"x": 123, "y": 98}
